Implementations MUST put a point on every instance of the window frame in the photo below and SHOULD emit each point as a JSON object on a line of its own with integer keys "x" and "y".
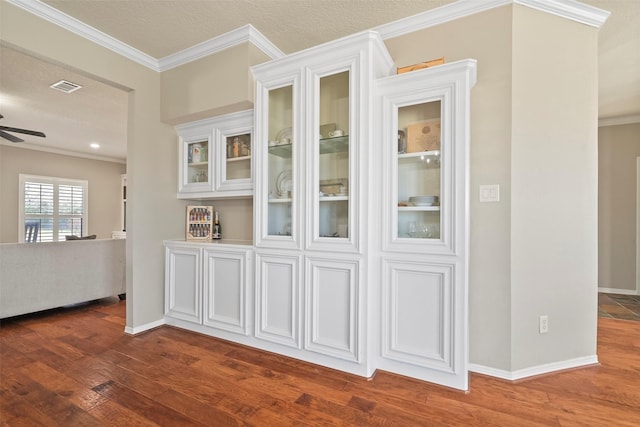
{"x": 56, "y": 182}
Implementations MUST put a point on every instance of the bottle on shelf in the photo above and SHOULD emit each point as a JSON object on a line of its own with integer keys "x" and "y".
{"x": 217, "y": 228}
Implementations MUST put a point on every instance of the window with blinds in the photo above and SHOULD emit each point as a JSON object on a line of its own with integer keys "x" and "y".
{"x": 52, "y": 208}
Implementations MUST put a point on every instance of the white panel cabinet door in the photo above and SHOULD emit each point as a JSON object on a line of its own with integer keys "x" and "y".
{"x": 423, "y": 334}
{"x": 278, "y": 298}
{"x": 424, "y": 117}
{"x": 332, "y": 302}
{"x": 183, "y": 283}
{"x": 226, "y": 277}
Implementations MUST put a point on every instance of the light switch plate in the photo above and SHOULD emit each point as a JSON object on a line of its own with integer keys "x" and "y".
{"x": 490, "y": 193}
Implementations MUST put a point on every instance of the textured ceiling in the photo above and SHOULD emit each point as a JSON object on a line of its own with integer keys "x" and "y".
{"x": 95, "y": 113}
{"x": 163, "y": 27}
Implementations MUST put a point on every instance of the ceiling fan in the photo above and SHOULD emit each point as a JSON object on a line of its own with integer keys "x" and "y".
{"x": 5, "y": 129}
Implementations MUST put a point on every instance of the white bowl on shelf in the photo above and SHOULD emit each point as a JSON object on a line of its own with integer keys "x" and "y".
{"x": 424, "y": 200}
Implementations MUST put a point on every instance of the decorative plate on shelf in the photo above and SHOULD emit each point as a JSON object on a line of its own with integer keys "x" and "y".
{"x": 284, "y": 182}
{"x": 284, "y": 136}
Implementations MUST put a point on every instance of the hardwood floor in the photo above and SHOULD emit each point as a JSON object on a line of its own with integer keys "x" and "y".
{"x": 76, "y": 367}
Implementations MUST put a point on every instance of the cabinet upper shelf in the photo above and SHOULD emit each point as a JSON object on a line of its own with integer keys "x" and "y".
{"x": 238, "y": 159}
{"x": 338, "y": 144}
{"x": 198, "y": 164}
{"x": 419, "y": 154}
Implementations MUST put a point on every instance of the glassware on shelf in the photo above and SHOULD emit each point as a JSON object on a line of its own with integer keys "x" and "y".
{"x": 333, "y": 156}
{"x": 281, "y": 146}
{"x": 238, "y": 151}
{"x": 197, "y": 162}
{"x": 419, "y": 173}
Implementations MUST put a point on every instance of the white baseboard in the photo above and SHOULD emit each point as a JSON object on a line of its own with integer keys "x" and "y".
{"x": 142, "y": 328}
{"x": 619, "y": 291}
{"x": 534, "y": 370}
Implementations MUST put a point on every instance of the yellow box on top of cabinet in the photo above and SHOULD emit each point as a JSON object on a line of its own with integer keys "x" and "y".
{"x": 421, "y": 65}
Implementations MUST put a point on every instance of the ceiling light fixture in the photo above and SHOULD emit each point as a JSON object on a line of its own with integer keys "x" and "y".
{"x": 94, "y": 145}
{"x": 65, "y": 86}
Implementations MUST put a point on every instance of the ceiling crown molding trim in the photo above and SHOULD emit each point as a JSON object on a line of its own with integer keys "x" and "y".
{"x": 568, "y": 9}
{"x": 621, "y": 120}
{"x": 437, "y": 16}
{"x": 46, "y": 12}
{"x": 52, "y": 150}
{"x": 247, "y": 33}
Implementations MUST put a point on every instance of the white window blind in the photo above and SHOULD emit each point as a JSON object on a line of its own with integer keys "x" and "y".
{"x": 52, "y": 208}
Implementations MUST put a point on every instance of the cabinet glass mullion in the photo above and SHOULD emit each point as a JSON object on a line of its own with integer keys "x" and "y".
{"x": 333, "y": 156}
{"x": 419, "y": 180}
{"x": 281, "y": 147}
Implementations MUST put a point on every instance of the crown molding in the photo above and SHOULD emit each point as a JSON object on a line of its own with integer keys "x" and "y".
{"x": 568, "y": 9}
{"x": 247, "y": 33}
{"x": 620, "y": 120}
{"x": 27, "y": 146}
{"x": 437, "y": 16}
{"x": 46, "y": 12}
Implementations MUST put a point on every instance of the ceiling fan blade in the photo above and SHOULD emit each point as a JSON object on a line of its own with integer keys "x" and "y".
{"x": 25, "y": 131}
{"x": 10, "y": 137}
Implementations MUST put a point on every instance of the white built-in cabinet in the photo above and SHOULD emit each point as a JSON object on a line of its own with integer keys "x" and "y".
{"x": 214, "y": 157}
{"x": 208, "y": 287}
{"x": 361, "y": 217}
{"x": 424, "y": 118}
{"x": 313, "y": 141}
{"x": 183, "y": 282}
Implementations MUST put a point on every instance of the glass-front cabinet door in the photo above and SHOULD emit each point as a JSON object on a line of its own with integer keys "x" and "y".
{"x": 418, "y": 183}
{"x": 215, "y": 157}
{"x": 276, "y": 202}
{"x": 281, "y": 150}
{"x": 195, "y": 160}
{"x": 424, "y": 143}
{"x": 332, "y": 157}
{"x": 234, "y": 161}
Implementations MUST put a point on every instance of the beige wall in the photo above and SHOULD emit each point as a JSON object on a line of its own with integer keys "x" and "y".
{"x": 153, "y": 213}
{"x": 553, "y": 188}
{"x": 211, "y": 86}
{"x": 521, "y": 74}
{"x": 489, "y": 270}
{"x": 533, "y": 132}
{"x": 619, "y": 147}
{"x": 104, "y": 187}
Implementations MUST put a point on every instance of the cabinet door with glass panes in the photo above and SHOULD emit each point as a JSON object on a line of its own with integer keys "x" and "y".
{"x": 425, "y": 157}
{"x": 234, "y": 147}
{"x": 418, "y": 171}
{"x": 194, "y": 163}
{"x": 277, "y": 151}
{"x": 425, "y": 222}
{"x": 331, "y": 186}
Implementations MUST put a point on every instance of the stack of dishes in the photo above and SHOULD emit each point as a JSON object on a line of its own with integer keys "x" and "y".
{"x": 424, "y": 200}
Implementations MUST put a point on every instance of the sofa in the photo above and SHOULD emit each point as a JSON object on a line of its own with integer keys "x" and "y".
{"x": 41, "y": 276}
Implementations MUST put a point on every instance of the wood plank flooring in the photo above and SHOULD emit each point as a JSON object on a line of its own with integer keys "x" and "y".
{"x": 76, "y": 367}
